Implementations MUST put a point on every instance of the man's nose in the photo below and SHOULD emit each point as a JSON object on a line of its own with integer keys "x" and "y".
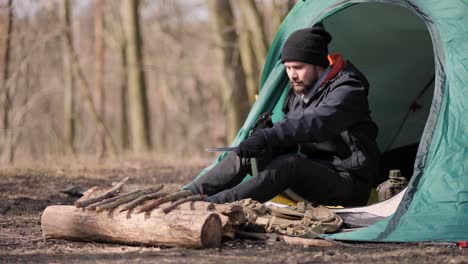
{"x": 293, "y": 75}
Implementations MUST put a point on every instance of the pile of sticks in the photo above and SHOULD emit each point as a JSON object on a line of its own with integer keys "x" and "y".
{"x": 152, "y": 198}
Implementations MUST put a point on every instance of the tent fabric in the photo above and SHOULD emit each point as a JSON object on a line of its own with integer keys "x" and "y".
{"x": 413, "y": 52}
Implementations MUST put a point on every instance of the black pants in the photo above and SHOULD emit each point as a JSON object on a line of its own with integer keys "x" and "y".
{"x": 309, "y": 179}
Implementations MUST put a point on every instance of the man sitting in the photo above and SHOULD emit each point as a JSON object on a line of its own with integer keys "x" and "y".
{"x": 324, "y": 149}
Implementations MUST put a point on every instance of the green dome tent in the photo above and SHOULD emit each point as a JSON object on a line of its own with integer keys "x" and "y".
{"x": 415, "y": 56}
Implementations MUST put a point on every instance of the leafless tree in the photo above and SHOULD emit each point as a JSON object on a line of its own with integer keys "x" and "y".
{"x": 68, "y": 80}
{"x": 6, "y": 135}
{"x": 137, "y": 97}
{"x": 232, "y": 76}
{"x": 99, "y": 69}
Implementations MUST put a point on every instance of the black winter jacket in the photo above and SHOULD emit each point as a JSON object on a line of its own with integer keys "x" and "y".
{"x": 334, "y": 127}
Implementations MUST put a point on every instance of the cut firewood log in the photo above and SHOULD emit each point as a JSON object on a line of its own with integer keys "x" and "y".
{"x": 195, "y": 229}
{"x": 235, "y": 213}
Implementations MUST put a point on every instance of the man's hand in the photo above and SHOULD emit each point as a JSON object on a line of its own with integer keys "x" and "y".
{"x": 253, "y": 146}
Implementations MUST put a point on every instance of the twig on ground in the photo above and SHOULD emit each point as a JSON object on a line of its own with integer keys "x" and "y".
{"x": 290, "y": 240}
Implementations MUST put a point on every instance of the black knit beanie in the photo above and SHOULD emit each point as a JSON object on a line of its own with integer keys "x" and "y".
{"x": 309, "y": 45}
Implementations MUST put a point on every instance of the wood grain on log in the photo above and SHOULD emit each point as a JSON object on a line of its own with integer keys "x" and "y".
{"x": 230, "y": 214}
{"x": 198, "y": 229}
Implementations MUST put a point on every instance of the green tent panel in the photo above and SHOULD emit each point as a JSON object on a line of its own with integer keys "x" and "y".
{"x": 415, "y": 55}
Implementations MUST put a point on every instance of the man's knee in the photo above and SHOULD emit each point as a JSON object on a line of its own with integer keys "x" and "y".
{"x": 285, "y": 168}
{"x": 287, "y": 161}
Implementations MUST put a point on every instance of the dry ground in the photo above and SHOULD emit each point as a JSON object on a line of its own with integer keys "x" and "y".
{"x": 25, "y": 193}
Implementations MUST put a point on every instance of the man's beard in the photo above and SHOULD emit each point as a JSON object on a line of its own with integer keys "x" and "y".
{"x": 299, "y": 87}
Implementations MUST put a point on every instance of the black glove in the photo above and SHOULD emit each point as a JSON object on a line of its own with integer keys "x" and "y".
{"x": 253, "y": 146}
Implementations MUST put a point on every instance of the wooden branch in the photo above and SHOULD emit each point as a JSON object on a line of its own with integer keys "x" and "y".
{"x": 182, "y": 201}
{"x": 136, "y": 193}
{"x": 290, "y": 240}
{"x": 112, "y": 191}
{"x": 306, "y": 241}
{"x": 169, "y": 198}
{"x": 141, "y": 199}
{"x": 195, "y": 229}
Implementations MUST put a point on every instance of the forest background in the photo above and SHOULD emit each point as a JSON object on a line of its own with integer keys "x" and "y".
{"x": 101, "y": 79}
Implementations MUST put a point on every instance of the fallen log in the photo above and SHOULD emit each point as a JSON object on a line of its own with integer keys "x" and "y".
{"x": 197, "y": 229}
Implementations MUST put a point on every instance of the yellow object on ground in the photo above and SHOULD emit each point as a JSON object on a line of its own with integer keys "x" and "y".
{"x": 282, "y": 199}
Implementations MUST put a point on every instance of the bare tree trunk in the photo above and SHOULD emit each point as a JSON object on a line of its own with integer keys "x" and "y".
{"x": 101, "y": 126}
{"x": 99, "y": 70}
{"x": 279, "y": 11}
{"x": 253, "y": 21}
{"x": 249, "y": 62}
{"x": 115, "y": 39}
{"x": 137, "y": 98}
{"x": 124, "y": 127}
{"x": 7, "y": 136}
{"x": 68, "y": 87}
{"x": 232, "y": 76}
